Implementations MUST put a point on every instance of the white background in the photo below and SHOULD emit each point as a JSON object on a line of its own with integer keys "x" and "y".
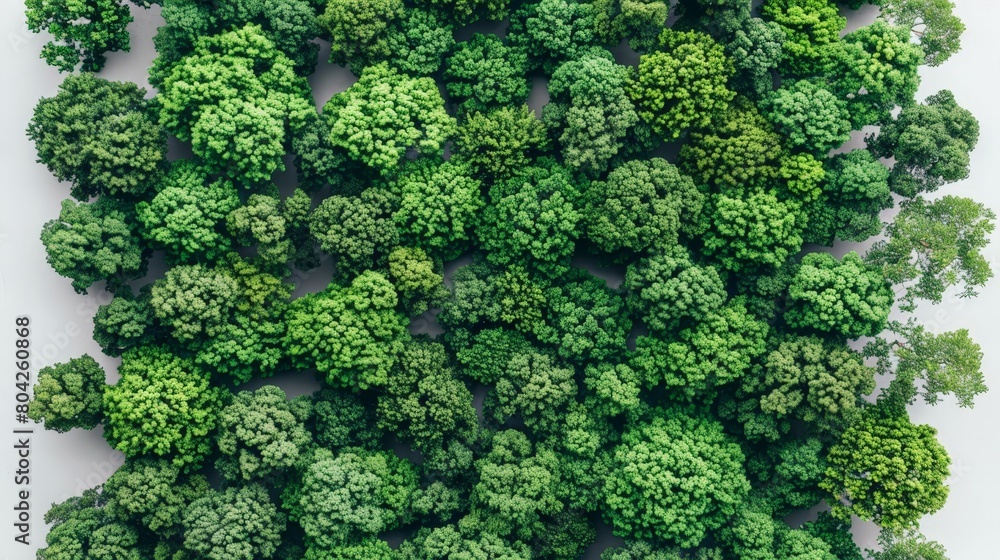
{"x": 63, "y": 465}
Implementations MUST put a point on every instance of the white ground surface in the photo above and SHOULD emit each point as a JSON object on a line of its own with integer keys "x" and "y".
{"x": 63, "y": 465}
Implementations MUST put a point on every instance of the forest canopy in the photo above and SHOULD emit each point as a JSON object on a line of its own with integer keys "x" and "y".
{"x": 638, "y": 328}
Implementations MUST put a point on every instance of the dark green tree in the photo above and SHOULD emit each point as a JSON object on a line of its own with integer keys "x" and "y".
{"x": 552, "y": 32}
{"x": 358, "y": 230}
{"x": 667, "y": 289}
{"x": 259, "y": 435}
{"x": 930, "y": 143}
{"x": 590, "y": 111}
{"x": 239, "y": 523}
{"x": 424, "y": 403}
{"x": 349, "y": 496}
{"x": 809, "y": 117}
{"x": 82, "y": 32}
{"x": 516, "y": 488}
{"x": 855, "y": 191}
{"x": 643, "y": 205}
{"x": 69, "y": 395}
{"x": 95, "y": 241}
{"x": 533, "y": 218}
{"x": 350, "y": 334}
{"x": 502, "y": 142}
{"x": 847, "y": 298}
{"x": 153, "y": 493}
{"x": 100, "y": 136}
{"x": 484, "y": 74}
{"x": 675, "y": 478}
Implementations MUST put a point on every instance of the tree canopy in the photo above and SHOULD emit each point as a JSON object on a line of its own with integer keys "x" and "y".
{"x": 544, "y": 271}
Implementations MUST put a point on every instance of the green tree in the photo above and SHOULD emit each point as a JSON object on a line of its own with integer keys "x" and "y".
{"x": 836, "y": 533}
{"x": 907, "y": 545}
{"x": 738, "y": 151}
{"x": 124, "y": 323}
{"x": 260, "y": 223}
{"x": 616, "y": 386}
{"x": 809, "y": 26}
{"x": 517, "y": 486}
{"x": 643, "y": 205}
{"x": 590, "y": 111}
{"x": 484, "y": 74}
{"x": 809, "y": 117}
{"x": 424, "y": 403}
{"x": 937, "y": 28}
{"x": 239, "y": 523}
{"x": 552, "y": 32}
{"x": 236, "y": 97}
{"x": 929, "y": 365}
{"x": 585, "y": 319}
{"x": 153, "y": 493}
{"x": 930, "y": 143}
{"x": 891, "y": 472}
{"x": 258, "y": 435}
{"x": 81, "y": 528}
{"x": 69, "y": 395}
{"x": 350, "y": 334}
{"x": 536, "y": 389}
{"x": 638, "y": 550}
{"x": 162, "y": 405}
{"x": 241, "y": 139}
{"x": 419, "y": 285}
{"x": 847, "y": 298}
{"x": 812, "y": 380}
{"x": 451, "y": 543}
{"x": 502, "y": 142}
{"x": 878, "y": 60}
{"x": 194, "y": 301}
{"x": 667, "y": 288}
{"x": 349, "y": 496}
{"x": 187, "y": 217}
{"x": 420, "y": 43}
{"x": 81, "y": 31}
{"x": 682, "y": 85}
{"x": 385, "y": 113}
{"x": 756, "y": 50}
{"x": 340, "y": 419}
{"x": 438, "y": 206}
{"x": 755, "y": 231}
{"x": 359, "y": 28}
{"x": 637, "y": 21}
{"x": 464, "y": 12}
{"x": 100, "y": 136}
{"x": 675, "y": 478}
{"x": 855, "y": 191}
{"x": 93, "y": 242}
{"x": 933, "y": 246}
{"x": 247, "y": 343}
{"x": 718, "y": 349}
{"x": 485, "y": 355}
{"x": 358, "y": 230}
{"x": 533, "y": 218}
